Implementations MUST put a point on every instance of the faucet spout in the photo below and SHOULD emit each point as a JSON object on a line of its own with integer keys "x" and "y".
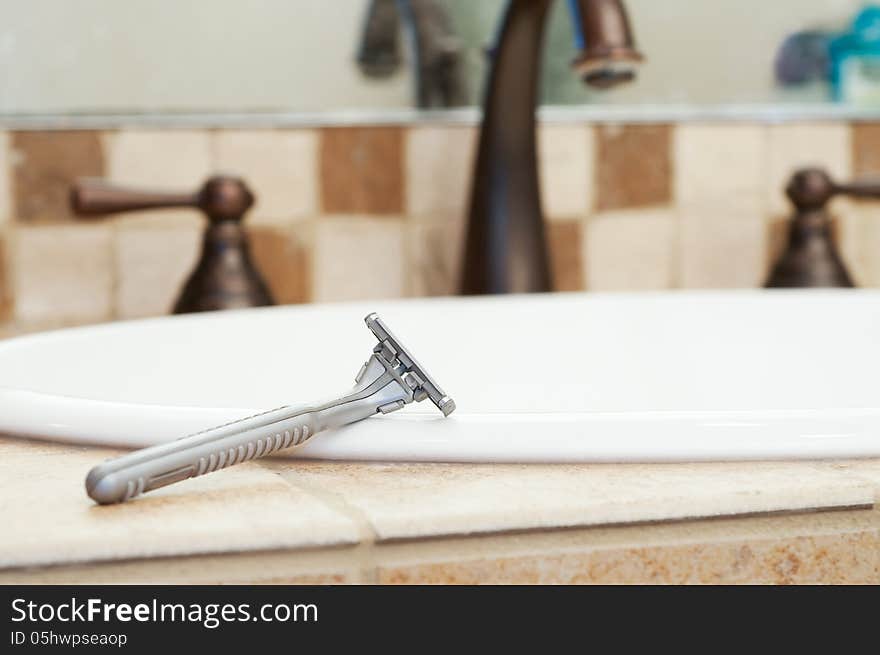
{"x": 604, "y": 37}
{"x": 505, "y": 249}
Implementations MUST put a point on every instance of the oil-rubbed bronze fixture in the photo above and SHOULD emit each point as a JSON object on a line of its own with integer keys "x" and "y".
{"x": 811, "y": 259}
{"x": 225, "y": 277}
{"x": 506, "y": 250}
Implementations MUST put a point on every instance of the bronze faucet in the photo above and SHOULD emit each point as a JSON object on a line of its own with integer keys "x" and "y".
{"x": 811, "y": 258}
{"x": 225, "y": 277}
{"x": 505, "y": 249}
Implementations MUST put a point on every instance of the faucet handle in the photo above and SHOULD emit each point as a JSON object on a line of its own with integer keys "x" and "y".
{"x": 225, "y": 277}
{"x": 97, "y": 197}
{"x": 812, "y": 188}
{"x": 220, "y": 198}
{"x": 811, "y": 257}
{"x": 861, "y": 188}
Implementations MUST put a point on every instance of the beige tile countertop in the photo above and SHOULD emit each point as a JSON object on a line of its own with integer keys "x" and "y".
{"x": 283, "y": 520}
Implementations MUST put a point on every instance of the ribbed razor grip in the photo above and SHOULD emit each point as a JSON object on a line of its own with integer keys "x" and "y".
{"x": 383, "y": 385}
{"x": 122, "y": 479}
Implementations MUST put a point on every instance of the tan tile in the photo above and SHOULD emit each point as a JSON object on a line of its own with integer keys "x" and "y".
{"x": 840, "y": 559}
{"x": 6, "y": 297}
{"x": 63, "y": 273}
{"x": 305, "y": 579}
{"x": 812, "y": 547}
{"x": 866, "y": 149}
{"x": 5, "y": 175}
{"x": 857, "y": 237}
{"x": 173, "y": 159}
{"x": 866, "y": 469}
{"x": 566, "y": 254}
{"x": 794, "y": 146}
{"x": 723, "y": 246}
{"x": 719, "y": 163}
{"x": 356, "y": 258}
{"x": 434, "y": 256}
{"x": 45, "y": 165}
{"x": 283, "y": 257}
{"x": 361, "y": 170}
{"x": 11, "y": 328}
{"x": 420, "y": 500}
{"x": 244, "y": 508}
{"x": 633, "y": 166}
{"x": 565, "y": 159}
{"x": 165, "y": 160}
{"x": 630, "y": 250}
{"x": 300, "y": 567}
{"x": 10, "y": 446}
{"x": 280, "y": 166}
{"x": 153, "y": 259}
{"x": 439, "y": 167}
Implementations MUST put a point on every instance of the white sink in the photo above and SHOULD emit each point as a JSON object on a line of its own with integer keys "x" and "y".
{"x": 565, "y": 377}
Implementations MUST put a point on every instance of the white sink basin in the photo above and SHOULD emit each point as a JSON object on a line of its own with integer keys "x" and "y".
{"x": 566, "y": 377}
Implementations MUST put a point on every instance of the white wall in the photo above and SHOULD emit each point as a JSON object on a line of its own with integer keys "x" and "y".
{"x": 81, "y": 55}
{"x": 720, "y": 51}
{"x": 296, "y": 55}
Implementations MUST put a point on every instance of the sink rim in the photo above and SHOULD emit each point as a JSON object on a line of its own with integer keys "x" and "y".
{"x": 685, "y": 435}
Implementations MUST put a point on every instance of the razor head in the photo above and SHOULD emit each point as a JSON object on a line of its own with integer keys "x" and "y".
{"x": 426, "y": 383}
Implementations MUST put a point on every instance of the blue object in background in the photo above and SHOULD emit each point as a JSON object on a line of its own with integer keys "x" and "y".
{"x": 855, "y": 60}
{"x": 580, "y": 42}
{"x": 803, "y": 58}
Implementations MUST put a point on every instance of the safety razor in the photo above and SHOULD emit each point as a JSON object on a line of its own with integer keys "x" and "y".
{"x": 389, "y": 380}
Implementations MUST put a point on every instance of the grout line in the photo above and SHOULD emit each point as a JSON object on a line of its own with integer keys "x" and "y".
{"x": 8, "y": 234}
{"x": 115, "y": 270}
{"x": 12, "y": 270}
{"x": 365, "y": 565}
{"x": 213, "y": 150}
{"x": 165, "y": 560}
{"x": 703, "y": 519}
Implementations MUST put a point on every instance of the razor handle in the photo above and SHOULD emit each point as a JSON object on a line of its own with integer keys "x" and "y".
{"x": 380, "y": 388}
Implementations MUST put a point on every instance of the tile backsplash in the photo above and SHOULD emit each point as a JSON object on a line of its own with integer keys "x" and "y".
{"x": 346, "y": 213}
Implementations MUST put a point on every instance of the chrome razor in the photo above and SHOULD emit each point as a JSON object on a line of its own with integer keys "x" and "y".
{"x": 389, "y": 380}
